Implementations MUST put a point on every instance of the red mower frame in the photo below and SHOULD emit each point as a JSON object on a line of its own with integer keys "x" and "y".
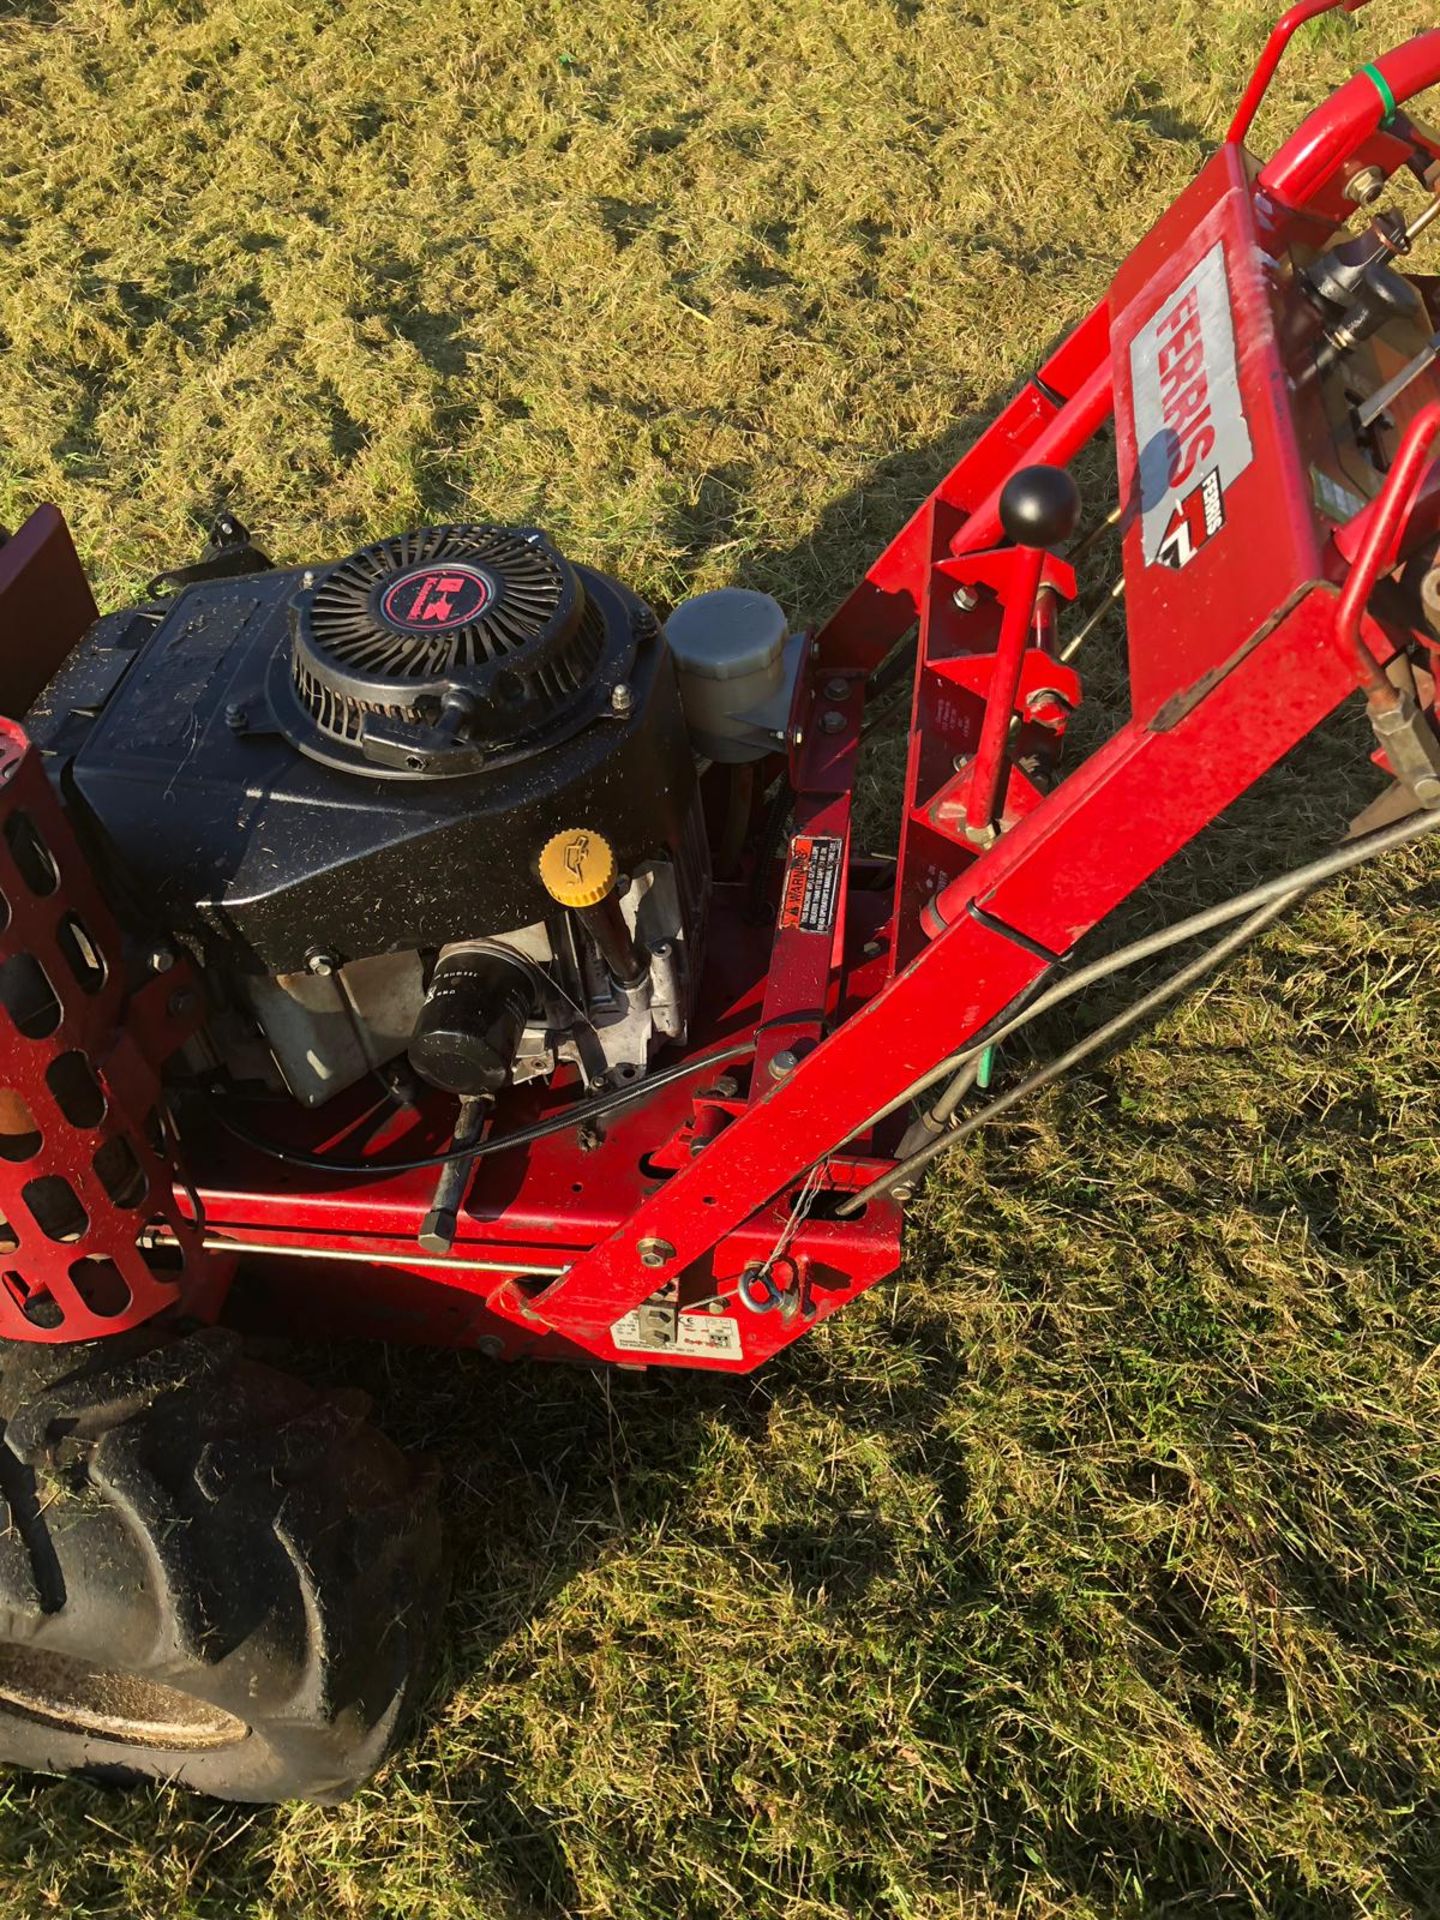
{"x": 701, "y": 1226}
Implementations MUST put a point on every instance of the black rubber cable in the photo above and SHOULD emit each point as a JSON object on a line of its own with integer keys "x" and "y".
{"x": 905, "y": 1170}
{"x": 1272, "y": 899}
{"x": 1301, "y": 880}
{"x": 572, "y": 1116}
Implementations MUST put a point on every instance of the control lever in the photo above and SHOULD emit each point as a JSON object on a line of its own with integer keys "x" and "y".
{"x": 438, "y": 1229}
{"x": 1039, "y": 510}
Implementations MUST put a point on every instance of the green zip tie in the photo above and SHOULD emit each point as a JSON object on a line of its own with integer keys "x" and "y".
{"x": 1382, "y": 87}
{"x": 985, "y": 1070}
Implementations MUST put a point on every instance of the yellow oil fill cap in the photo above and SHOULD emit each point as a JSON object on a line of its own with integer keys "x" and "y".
{"x": 577, "y": 867}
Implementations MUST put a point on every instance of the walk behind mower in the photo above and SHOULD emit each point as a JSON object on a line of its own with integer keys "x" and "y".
{"x": 432, "y": 944}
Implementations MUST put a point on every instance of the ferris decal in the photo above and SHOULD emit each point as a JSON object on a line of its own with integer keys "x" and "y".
{"x": 1190, "y": 424}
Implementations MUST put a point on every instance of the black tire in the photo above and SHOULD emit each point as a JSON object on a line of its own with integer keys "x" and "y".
{"x": 209, "y": 1572}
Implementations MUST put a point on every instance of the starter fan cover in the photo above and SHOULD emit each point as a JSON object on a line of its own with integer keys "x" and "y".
{"x": 485, "y": 630}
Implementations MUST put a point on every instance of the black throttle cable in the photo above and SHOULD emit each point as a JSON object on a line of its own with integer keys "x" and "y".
{"x": 1269, "y": 901}
{"x": 575, "y": 1115}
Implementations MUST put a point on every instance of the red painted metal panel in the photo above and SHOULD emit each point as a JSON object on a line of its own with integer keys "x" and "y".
{"x": 45, "y": 606}
{"x": 84, "y": 1165}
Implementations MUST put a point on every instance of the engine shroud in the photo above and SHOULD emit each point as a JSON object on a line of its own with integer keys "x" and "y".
{"x": 300, "y": 762}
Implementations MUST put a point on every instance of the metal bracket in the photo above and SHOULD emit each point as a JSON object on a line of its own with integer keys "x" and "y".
{"x": 1411, "y": 747}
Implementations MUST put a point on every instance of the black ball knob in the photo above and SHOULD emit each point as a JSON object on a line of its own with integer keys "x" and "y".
{"x": 1039, "y": 506}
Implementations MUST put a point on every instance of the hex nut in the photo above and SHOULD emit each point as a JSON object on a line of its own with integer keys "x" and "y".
{"x": 1366, "y": 186}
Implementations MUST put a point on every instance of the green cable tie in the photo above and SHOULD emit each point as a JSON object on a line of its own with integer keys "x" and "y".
{"x": 986, "y": 1070}
{"x": 1382, "y": 87}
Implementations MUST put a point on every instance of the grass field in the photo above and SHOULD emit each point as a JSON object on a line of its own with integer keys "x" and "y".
{"x": 1092, "y": 1567}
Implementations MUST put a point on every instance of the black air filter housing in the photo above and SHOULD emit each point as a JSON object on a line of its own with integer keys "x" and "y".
{"x": 305, "y": 762}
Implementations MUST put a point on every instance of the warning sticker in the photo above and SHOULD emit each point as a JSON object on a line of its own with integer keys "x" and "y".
{"x": 812, "y": 883}
{"x": 1190, "y": 427}
{"x": 717, "y": 1335}
{"x": 703, "y": 1336}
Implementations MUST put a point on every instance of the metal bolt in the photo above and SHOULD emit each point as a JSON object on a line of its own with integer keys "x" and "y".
{"x": 321, "y": 964}
{"x": 236, "y": 718}
{"x": 307, "y": 579}
{"x": 831, "y": 721}
{"x": 797, "y": 736}
{"x": 903, "y": 1192}
{"x": 438, "y": 1229}
{"x": 489, "y": 1347}
{"x": 589, "y": 1138}
{"x": 814, "y": 649}
{"x": 655, "y": 1253}
{"x": 966, "y": 599}
{"x": 622, "y": 699}
{"x": 181, "y": 1001}
{"x": 960, "y": 762}
{"x": 1366, "y": 186}
{"x": 715, "y": 1306}
{"x": 836, "y": 689}
{"x": 782, "y": 1063}
{"x": 162, "y": 959}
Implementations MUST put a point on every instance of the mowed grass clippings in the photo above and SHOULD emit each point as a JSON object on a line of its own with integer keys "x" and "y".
{"x": 1090, "y": 1568}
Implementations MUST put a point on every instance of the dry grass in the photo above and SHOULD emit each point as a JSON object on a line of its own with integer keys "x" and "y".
{"x": 1091, "y": 1569}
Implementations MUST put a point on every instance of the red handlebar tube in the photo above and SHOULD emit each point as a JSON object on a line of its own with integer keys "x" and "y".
{"x": 1379, "y": 548}
{"x": 1321, "y": 146}
{"x": 1284, "y": 32}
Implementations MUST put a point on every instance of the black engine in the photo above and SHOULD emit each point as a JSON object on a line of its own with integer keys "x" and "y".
{"x": 334, "y": 786}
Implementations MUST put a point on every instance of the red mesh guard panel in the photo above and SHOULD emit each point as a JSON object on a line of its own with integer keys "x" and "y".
{"x": 84, "y": 1171}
